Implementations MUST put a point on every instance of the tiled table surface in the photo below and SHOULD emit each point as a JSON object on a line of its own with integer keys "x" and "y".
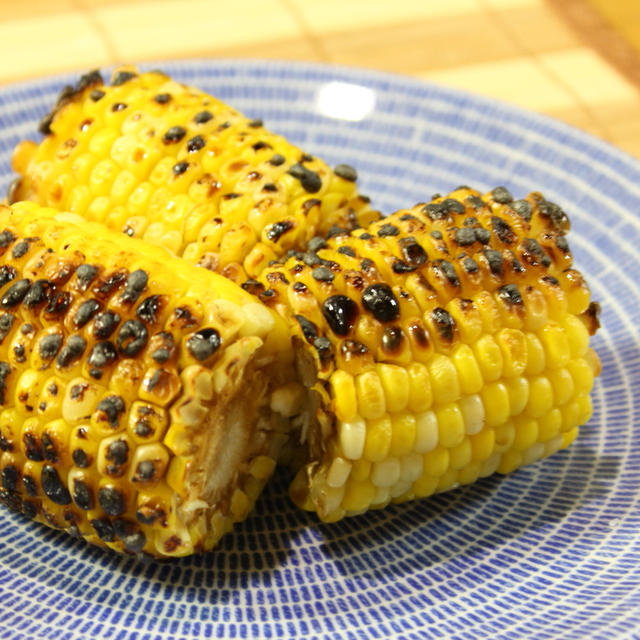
{"x": 539, "y": 54}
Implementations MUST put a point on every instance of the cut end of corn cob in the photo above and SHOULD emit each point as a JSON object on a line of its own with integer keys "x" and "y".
{"x": 137, "y": 392}
{"x": 158, "y": 160}
{"x": 438, "y": 345}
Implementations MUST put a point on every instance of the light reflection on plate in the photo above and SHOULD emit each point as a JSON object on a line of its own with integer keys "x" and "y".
{"x": 551, "y": 551}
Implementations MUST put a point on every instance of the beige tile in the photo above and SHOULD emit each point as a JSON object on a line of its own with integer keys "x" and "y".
{"x": 420, "y": 45}
{"x": 11, "y": 10}
{"x": 144, "y": 30}
{"x": 593, "y": 80}
{"x": 518, "y": 80}
{"x": 330, "y": 16}
{"x": 48, "y": 44}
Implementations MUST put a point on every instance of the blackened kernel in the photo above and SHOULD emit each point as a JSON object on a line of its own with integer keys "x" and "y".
{"x": 105, "y": 324}
{"x": 195, "y": 144}
{"x": 437, "y": 235}
{"x": 365, "y": 236}
{"x": 118, "y": 106}
{"x": 276, "y": 160}
{"x": 145, "y": 471}
{"x": 267, "y": 295}
{"x": 27, "y": 329}
{"x": 346, "y": 172}
{"x": 517, "y": 266}
{"x": 6, "y": 238}
{"x": 185, "y": 317}
{"x": 471, "y": 221}
{"x": 278, "y": 229}
{"x": 347, "y": 251}
{"x": 136, "y": 283}
{"x": 523, "y": 209}
{"x": 32, "y": 448}
{"x": 502, "y": 230}
{"x": 562, "y": 244}
{"x": 80, "y": 458}
{"x": 435, "y": 211}
{"x": 113, "y": 407}
{"x": 6, "y": 323}
{"x": 446, "y": 269}
{"x": 174, "y": 134}
{"x": 5, "y": 445}
{"x": 469, "y": 265}
{"x": 58, "y": 304}
{"x": 132, "y": 338}
{"x": 392, "y": 339}
{"x": 113, "y": 281}
{"x": 179, "y": 168}
{"x": 253, "y": 286}
{"x": 20, "y": 249}
{"x": 53, "y": 487}
{"x": 261, "y": 145}
{"x": 223, "y": 126}
{"x": 494, "y": 259}
{"x": 82, "y": 495}
{"x": 19, "y": 353}
{"x": 15, "y": 293}
{"x": 38, "y": 293}
{"x": 380, "y": 301}
{"x": 85, "y": 274}
{"x": 510, "y": 294}
{"x": 322, "y": 274}
{"x": 132, "y": 538}
{"x": 400, "y": 266}
{"x": 324, "y": 350}
{"x": 142, "y": 428}
{"x": 309, "y": 329}
{"x": 444, "y": 323}
{"x": 300, "y": 287}
{"x": 161, "y": 355}
{"x": 310, "y": 180}
{"x": 316, "y": 243}
{"x": 85, "y": 312}
{"x": 30, "y": 486}
{"x": 533, "y": 253}
{"x": 49, "y": 346}
{"x": 149, "y": 308}
{"x": 419, "y": 335}
{"x": 388, "y": 229}
{"x": 29, "y": 509}
{"x": 451, "y": 205}
{"x": 270, "y": 187}
{"x": 97, "y": 94}
{"x": 203, "y": 343}
{"x": 482, "y": 235}
{"x": 501, "y": 195}
{"x": 162, "y": 98}
{"x": 255, "y": 123}
{"x": 231, "y": 196}
{"x": 117, "y": 452}
{"x": 120, "y": 77}
{"x": 71, "y": 351}
{"x": 112, "y": 501}
{"x": 103, "y": 529}
{"x": 10, "y": 477}
{"x": 311, "y": 259}
{"x": 352, "y": 349}
{"x": 202, "y": 117}
{"x": 102, "y": 354}
{"x": 465, "y": 236}
{"x": 276, "y": 277}
{"x": 412, "y": 252}
{"x": 341, "y": 313}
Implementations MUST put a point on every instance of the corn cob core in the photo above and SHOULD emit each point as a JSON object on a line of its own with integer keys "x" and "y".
{"x": 173, "y": 165}
{"x": 135, "y": 407}
{"x": 440, "y": 344}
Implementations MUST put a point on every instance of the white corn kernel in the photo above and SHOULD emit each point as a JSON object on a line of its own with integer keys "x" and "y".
{"x": 473, "y": 414}
{"x": 426, "y": 432}
{"x": 411, "y": 467}
{"x": 352, "y": 437}
{"x": 338, "y": 472}
{"x": 385, "y": 473}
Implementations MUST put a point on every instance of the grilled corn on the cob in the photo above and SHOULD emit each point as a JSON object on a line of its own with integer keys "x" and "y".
{"x": 440, "y": 344}
{"x": 173, "y": 165}
{"x": 139, "y": 394}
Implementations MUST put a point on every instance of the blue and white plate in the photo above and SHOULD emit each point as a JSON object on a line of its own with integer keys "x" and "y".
{"x": 552, "y": 551}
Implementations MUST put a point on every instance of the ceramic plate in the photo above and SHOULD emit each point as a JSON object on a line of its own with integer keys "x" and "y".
{"x": 551, "y": 551}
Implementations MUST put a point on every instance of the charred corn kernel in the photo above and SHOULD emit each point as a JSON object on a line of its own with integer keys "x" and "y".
{"x": 378, "y": 439}
{"x": 495, "y": 399}
{"x": 152, "y": 167}
{"x": 432, "y": 349}
{"x": 110, "y": 399}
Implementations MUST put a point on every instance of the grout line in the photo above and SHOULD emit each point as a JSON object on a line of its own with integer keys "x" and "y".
{"x": 86, "y": 9}
{"x": 585, "y": 107}
{"x": 314, "y": 40}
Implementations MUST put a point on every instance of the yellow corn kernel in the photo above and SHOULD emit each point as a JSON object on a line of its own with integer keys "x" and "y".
{"x": 585, "y": 408}
{"x": 424, "y": 486}
{"x": 451, "y": 426}
{"x": 262, "y": 467}
{"x": 540, "y": 396}
{"x": 344, "y": 393}
{"x": 395, "y": 383}
{"x": 445, "y": 384}
{"x": 510, "y": 461}
{"x": 489, "y": 357}
{"x": 562, "y": 384}
{"x": 360, "y": 469}
{"x": 448, "y": 480}
{"x": 338, "y": 472}
{"x": 473, "y": 413}
{"x": 504, "y": 436}
{"x": 358, "y": 495}
{"x": 410, "y": 467}
{"x": 495, "y": 399}
{"x": 513, "y": 344}
{"x": 460, "y": 455}
{"x": 240, "y": 505}
{"x": 556, "y": 345}
{"x": 535, "y": 303}
{"x": 577, "y": 335}
{"x": 420, "y": 392}
{"x": 533, "y": 453}
{"x": 436, "y": 462}
{"x": 553, "y": 445}
{"x": 352, "y": 436}
{"x": 482, "y": 444}
{"x": 148, "y": 463}
{"x": 403, "y": 434}
{"x": 468, "y": 370}
{"x": 518, "y": 390}
{"x": 370, "y": 395}
{"x": 549, "y": 425}
{"x": 176, "y": 476}
{"x": 581, "y": 374}
{"x": 526, "y": 433}
{"x": 385, "y": 473}
{"x": 536, "y": 360}
{"x": 426, "y": 431}
{"x": 569, "y": 416}
{"x": 490, "y": 465}
{"x": 378, "y": 439}
{"x": 467, "y": 319}
{"x": 470, "y": 473}
{"x": 489, "y": 312}
{"x": 569, "y": 437}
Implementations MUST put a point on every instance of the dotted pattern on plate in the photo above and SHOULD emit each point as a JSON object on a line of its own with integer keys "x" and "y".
{"x": 549, "y": 552}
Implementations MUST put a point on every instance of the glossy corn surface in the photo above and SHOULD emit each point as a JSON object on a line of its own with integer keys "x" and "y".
{"x": 439, "y": 345}
{"x": 135, "y": 399}
{"x": 168, "y": 163}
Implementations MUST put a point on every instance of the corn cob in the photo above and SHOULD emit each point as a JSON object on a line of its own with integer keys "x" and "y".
{"x": 438, "y": 345}
{"x": 173, "y": 165}
{"x": 139, "y": 394}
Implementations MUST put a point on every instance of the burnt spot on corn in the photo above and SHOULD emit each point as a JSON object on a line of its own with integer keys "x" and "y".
{"x": 6, "y": 238}
{"x": 38, "y": 294}
{"x": 465, "y": 236}
{"x": 308, "y": 328}
{"x": 204, "y": 343}
{"x": 85, "y": 312}
{"x": 10, "y": 477}
{"x": 85, "y": 275}
{"x": 110, "y": 410}
{"x": 162, "y": 98}
{"x": 58, "y": 304}
{"x": 105, "y": 324}
{"x": 104, "y": 529}
{"x": 132, "y": 538}
{"x": 32, "y": 447}
{"x": 501, "y": 195}
{"x": 49, "y": 346}
{"x": 388, "y": 229}
{"x": 322, "y": 274}
{"x": 503, "y": 231}
{"x": 418, "y": 334}
{"x": 15, "y": 294}
{"x": 447, "y": 272}
{"x": 7, "y": 274}
{"x": 523, "y": 208}
{"x": 173, "y": 135}
{"x": 400, "y": 266}
{"x": 50, "y": 450}
{"x": 136, "y": 284}
{"x": 341, "y": 313}
{"x": 53, "y": 487}
{"x": 511, "y": 295}
{"x": 180, "y": 167}
{"x": 309, "y": 180}
{"x": 6, "y": 323}
{"x": 106, "y": 287}
{"x": 351, "y": 349}
{"x": 195, "y": 144}
{"x": 19, "y": 353}
{"x": 324, "y": 350}
{"x": 381, "y": 302}
{"x": 277, "y": 160}
{"x": 118, "y": 106}
{"x": 346, "y": 172}
{"x": 117, "y": 454}
{"x": 145, "y": 471}
{"x": 444, "y": 324}
{"x": 132, "y": 338}
{"x": 494, "y": 260}
{"x": 202, "y": 117}
{"x": 120, "y": 77}
{"x": 412, "y": 252}
{"x": 103, "y": 354}
{"x": 83, "y": 495}
{"x": 81, "y": 459}
{"x": 30, "y": 486}
{"x": 392, "y": 340}
{"x": 554, "y": 213}
{"x": 347, "y": 251}
{"x": 149, "y": 309}
{"x": 97, "y": 94}
{"x": 278, "y": 229}
{"x": 533, "y": 254}
{"x": 72, "y": 351}
{"x": 112, "y": 501}
{"x": 470, "y": 265}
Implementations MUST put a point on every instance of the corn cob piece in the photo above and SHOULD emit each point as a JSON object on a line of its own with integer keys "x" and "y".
{"x": 139, "y": 395}
{"x": 173, "y": 165}
{"x": 438, "y": 345}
